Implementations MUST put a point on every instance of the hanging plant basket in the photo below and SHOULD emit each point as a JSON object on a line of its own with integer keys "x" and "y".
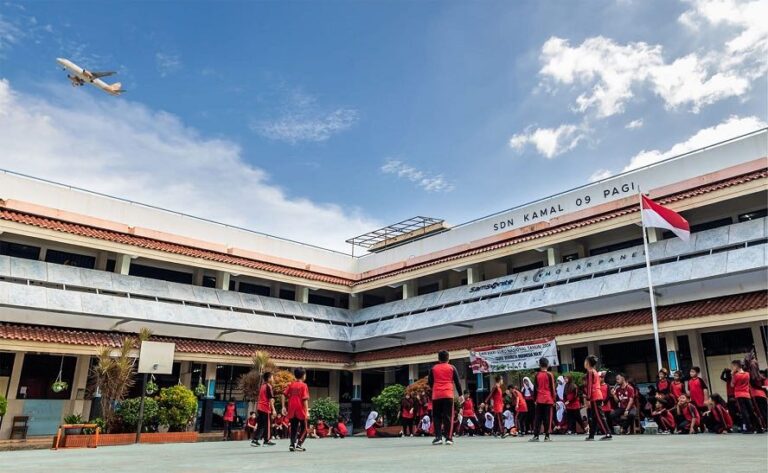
{"x": 151, "y": 388}
{"x": 59, "y": 386}
{"x": 201, "y": 390}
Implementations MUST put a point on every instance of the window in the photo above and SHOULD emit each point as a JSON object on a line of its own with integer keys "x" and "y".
{"x": 318, "y": 378}
{"x": 429, "y": 288}
{"x": 40, "y": 371}
{"x": 287, "y": 294}
{"x": 160, "y": 273}
{"x": 616, "y": 246}
{"x": 110, "y": 266}
{"x": 527, "y": 267}
{"x": 570, "y": 257}
{"x": 322, "y": 300}
{"x": 249, "y": 288}
{"x": 209, "y": 281}
{"x": 70, "y": 259}
{"x": 728, "y": 342}
{"x": 369, "y": 300}
{"x": 753, "y": 215}
{"x": 17, "y": 250}
{"x": 700, "y": 227}
{"x": 637, "y": 360}
{"x": 6, "y": 365}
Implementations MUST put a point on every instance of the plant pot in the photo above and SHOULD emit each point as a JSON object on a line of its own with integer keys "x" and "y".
{"x": 76, "y": 431}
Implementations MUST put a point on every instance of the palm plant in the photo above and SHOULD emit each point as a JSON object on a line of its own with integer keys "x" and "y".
{"x": 250, "y": 382}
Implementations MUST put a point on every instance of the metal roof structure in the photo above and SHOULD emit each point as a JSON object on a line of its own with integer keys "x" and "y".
{"x": 397, "y": 233}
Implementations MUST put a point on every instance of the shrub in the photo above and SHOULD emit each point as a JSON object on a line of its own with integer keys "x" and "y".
{"x": 387, "y": 403}
{"x": 3, "y": 405}
{"x": 418, "y": 386}
{"x": 578, "y": 377}
{"x": 128, "y": 412}
{"x": 324, "y": 408}
{"x": 99, "y": 422}
{"x": 73, "y": 419}
{"x": 177, "y": 406}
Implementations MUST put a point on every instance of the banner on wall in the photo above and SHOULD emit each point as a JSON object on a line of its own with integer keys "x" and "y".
{"x": 518, "y": 356}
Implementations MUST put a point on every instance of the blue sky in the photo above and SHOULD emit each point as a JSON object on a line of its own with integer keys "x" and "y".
{"x": 320, "y": 120}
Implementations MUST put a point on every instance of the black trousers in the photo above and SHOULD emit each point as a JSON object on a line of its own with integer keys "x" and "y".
{"x": 407, "y": 426}
{"x": 498, "y": 425}
{"x": 522, "y": 422}
{"x": 543, "y": 418}
{"x": 761, "y": 410}
{"x": 263, "y": 427}
{"x": 574, "y": 418}
{"x": 298, "y": 431}
{"x": 745, "y": 413}
{"x": 625, "y": 423}
{"x": 464, "y": 427}
{"x": 597, "y": 418}
{"x": 442, "y": 410}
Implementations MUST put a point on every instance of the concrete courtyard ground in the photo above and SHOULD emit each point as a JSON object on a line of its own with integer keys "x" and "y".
{"x": 700, "y": 453}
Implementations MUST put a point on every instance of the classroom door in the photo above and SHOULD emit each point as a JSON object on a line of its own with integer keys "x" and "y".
{"x": 715, "y": 366}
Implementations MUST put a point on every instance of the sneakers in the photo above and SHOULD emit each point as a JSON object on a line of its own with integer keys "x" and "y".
{"x": 449, "y": 442}
{"x": 292, "y": 448}
{"x": 606, "y": 437}
{"x": 300, "y": 448}
{"x": 270, "y": 444}
{"x": 255, "y": 443}
{"x": 437, "y": 442}
{"x": 547, "y": 439}
{"x": 534, "y": 439}
{"x": 589, "y": 439}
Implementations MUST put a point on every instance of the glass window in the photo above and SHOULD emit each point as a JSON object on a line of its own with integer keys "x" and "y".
{"x": 70, "y": 259}
{"x": 369, "y": 300}
{"x": 17, "y": 250}
{"x": 318, "y": 378}
{"x": 40, "y": 371}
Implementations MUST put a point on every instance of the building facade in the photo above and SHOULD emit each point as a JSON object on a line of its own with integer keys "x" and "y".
{"x": 80, "y": 271}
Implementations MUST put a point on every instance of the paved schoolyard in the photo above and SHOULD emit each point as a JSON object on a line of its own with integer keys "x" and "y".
{"x": 700, "y": 453}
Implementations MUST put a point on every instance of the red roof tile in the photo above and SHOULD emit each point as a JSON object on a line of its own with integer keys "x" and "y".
{"x": 149, "y": 243}
{"x": 701, "y": 308}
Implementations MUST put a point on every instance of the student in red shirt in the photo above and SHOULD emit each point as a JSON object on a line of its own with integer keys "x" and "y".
{"x": 297, "y": 394}
{"x": 741, "y": 391}
{"x": 689, "y": 415}
{"x": 664, "y": 419}
{"x": 495, "y": 400}
{"x": 544, "y": 395}
{"x": 595, "y": 399}
{"x": 759, "y": 398}
{"x": 521, "y": 409}
{"x": 624, "y": 397}
{"x": 407, "y": 413}
{"x": 662, "y": 382}
{"x": 265, "y": 409}
{"x": 443, "y": 379}
{"x": 697, "y": 389}
{"x": 468, "y": 416}
{"x": 230, "y": 411}
{"x": 716, "y": 418}
{"x": 607, "y": 392}
{"x": 572, "y": 405}
{"x": 340, "y": 429}
{"x": 677, "y": 387}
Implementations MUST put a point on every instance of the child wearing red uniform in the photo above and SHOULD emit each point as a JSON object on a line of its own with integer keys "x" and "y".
{"x": 468, "y": 416}
{"x": 697, "y": 389}
{"x": 521, "y": 408}
{"x": 716, "y": 418}
{"x": 662, "y": 382}
{"x": 677, "y": 387}
{"x": 544, "y": 396}
{"x": 495, "y": 400}
{"x": 595, "y": 399}
{"x": 689, "y": 415}
{"x": 265, "y": 409}
{"x": 297, "y": 394}
{"x": 340, "y": 429}
{"x": 664, "y": 419}
{"x": 759, "y": 398}
{"x": 443, "y": 379}
{"x": 573, "y": 405}
{"x": 407, "y": 413}
{"x": 741, "y": 391}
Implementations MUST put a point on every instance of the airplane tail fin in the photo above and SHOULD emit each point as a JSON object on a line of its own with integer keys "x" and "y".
{"x": 116, "y": 88}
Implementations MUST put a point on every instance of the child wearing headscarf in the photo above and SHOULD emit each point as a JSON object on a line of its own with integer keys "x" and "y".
{"x": 488, "y": 426}
{"x": 509, "y": 421}
{"x": 528, "y": 393}
{"x": 373, "y": 427}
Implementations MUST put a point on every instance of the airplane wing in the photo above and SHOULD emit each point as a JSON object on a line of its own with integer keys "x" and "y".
{"x": 98, "y": 75}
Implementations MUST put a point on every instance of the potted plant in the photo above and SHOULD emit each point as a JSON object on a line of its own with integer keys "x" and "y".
{"x": 200, "y": 390}
{"x": 59, "y": 386}
{"x": 387, "y": 403}
{"x": 3, "y": 405}
{"x": 151, "y": 387}
{"x": 73, "y": 419}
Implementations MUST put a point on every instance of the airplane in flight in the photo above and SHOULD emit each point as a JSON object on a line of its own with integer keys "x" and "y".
{"x": 80, "y": 76}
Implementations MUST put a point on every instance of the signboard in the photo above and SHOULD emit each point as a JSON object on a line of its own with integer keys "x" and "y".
{"x": 156, "y": 357}
{"x": 519, "y": 356}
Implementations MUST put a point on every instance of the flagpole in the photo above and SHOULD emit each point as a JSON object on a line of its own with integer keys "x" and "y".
{"x": 650, "y": 285}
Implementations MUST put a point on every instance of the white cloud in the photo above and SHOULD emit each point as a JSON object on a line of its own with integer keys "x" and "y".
{"x": 611, "y": 73}
{"x": 167, "y": 63}
{"x": 125, "y": 149}
{"x": 428, "y": 182}
{"x": 634, "y": 124}
{"x": 730, "y": 128}
{"x": 599, "y": 175}
{"x": 302, "y": 120}
{"x": 10, "y": 34}
{"x": 549, "y": 142}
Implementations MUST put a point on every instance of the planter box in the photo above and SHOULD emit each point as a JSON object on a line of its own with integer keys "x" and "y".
{"x": 70, "y": 441}
{"x": 238, "y": 435}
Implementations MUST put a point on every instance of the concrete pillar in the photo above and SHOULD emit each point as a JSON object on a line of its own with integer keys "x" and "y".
{"x": 185, "y": 374}
{"x": 566, "y": 359}
{"x": 697, "y": 352}
{"x": 301, "y": 294}
{"x": 757, "y": 339}
{"x": 123, "y": 264}
{"x": 410, "y": 289}
{"x": 101, "y": 261}
{"x": 357, "y": 382}
{"x": 222, "y": 280}
{"x": 333, "y": 384}
{"x": 413, "y": 373}
{"x": 355, "y": 301}
{"x": 673, "y": 362}
{"x": 594, "y": 349}
{"x": 389, "y": 376}
{"x": 553, "y": 256}
{"x": 43, "y": 253}
{"x": 581, "y": 250}
{"x": 654, "y": 234}
{"x": 210, "y": 379}
{"x": 474, "y": 274}
{"x": 274, "y": 289}
{"x": 495, "y": 269}
{"x": 461, "y": 368}
{"x": 197, "y": 276}
{"x": 13, "y": 383}
{"x": 79, "y": 385}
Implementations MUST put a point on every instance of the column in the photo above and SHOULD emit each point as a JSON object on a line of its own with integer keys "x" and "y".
{"x": 357, "y": 393}
{"x": 43, "y": 253}
{"x": 185, "y": 374}
{"x": 474, "y": 274}
{"x": 757, "y": 339}
{"x": 594, "y": 349}
{"x": 101, "y": 261}
{"x": 197, "y": 276}
{"x": 79, "y": 385}
{"x": 274, "y": 290}
{"x": 222, "y": 280}
{"x": 210, "y": 380}
{"x": 333, "y": 384}
{"x": 413, "y": 373}
{"x": 355, "y": 301}
{"x": 461, "y": 368}
{"x": 654, "y": 234}
{"x": 409, "y": 289}
{"x": 301, "y": 294}
{"x": 673, "y": 363}
{"x": 13, "y": 383}
{"x": 123, "y": 264}
{"x": 566, "y": 359}
{"x": 553, "y": 256}
{"x": 389, "y": 375}
{"x": 15, "y": 407}
{"x": 581, "y": 250}
{"x": 494, "y": 269}
{"x": 697, "y": 353}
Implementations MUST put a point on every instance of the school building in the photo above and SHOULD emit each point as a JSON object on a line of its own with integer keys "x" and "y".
{"x": 80, "y": 271}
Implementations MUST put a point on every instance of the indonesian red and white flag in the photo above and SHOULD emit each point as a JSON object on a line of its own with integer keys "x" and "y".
{"x": 657, "y": 216}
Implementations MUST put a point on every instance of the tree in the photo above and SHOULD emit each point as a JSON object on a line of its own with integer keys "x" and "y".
{"x": 417, "y": 387}
{"x": 113, "y": 375}
{"x": 387, "y": 403}
{"x": 324, "y": 408}
{"x": 280, "y": 381}
{"x": 250, "y": 382}
{"x": 177, "y": 406}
